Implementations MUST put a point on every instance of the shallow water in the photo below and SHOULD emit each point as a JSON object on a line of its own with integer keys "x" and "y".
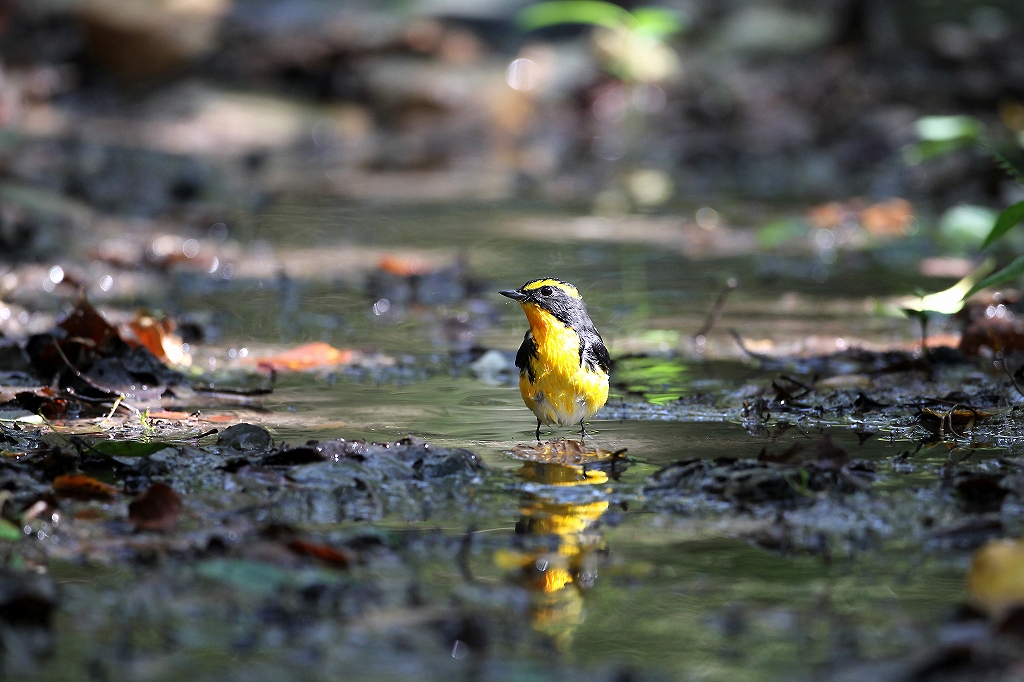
{"x": 681, "y": 597}
{"x": 670, "y": 596}
{"x": 660, "y": 596}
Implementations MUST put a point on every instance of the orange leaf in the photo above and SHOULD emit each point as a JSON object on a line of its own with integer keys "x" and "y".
{"x": 323, "y": 552}
{"x": 146, "y": 332}
{"x": 83, "y": 487}
{"x": 309, "y": 356}
{"x": 156, "y": 335}
{"x": 888, "y": 218}
{"x": 403, "y": 267}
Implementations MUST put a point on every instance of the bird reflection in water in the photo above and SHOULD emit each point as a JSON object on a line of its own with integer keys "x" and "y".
{"x": 560, "y": 544}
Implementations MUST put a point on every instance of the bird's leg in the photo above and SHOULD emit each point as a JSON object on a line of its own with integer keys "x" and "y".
{"x": 538, "y": 430}
{"x": 583, "y": 430}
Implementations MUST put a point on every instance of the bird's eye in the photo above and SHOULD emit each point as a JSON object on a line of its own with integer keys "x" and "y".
{"x": 546, "y": 291}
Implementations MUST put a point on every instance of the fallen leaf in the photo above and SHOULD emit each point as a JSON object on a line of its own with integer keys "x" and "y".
{"x": 892, "y": 218}
{"x": 833, "y": 214}
{"x": 85, "y": 322}
{"x": 45, "y": 403}
{"x": 90, "y": 514}
{"x": 156, "y": 509}
{"x": 954, "y": 422}
{"x": 993, "y": 323}
{"x": 309, "y": 356}
{"x": 157, "y": 336}
{"x": 403, "y": 267}
{"x": 333, "y": 556}
{"x": 220, "y": 418}
{"x": 83, "y": 487}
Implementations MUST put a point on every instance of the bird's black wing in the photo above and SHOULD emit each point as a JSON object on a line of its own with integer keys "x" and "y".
{"x": 593, "y": 351}
{"x": 527, "y": 352}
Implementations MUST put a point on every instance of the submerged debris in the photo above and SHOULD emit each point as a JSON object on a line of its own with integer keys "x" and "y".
{"x": 565, "y": 452}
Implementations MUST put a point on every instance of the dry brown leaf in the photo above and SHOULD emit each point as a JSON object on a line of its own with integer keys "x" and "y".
{"x": 156, "y": 509}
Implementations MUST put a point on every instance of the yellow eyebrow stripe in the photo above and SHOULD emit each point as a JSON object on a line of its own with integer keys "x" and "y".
{"x": 564, "y": 286}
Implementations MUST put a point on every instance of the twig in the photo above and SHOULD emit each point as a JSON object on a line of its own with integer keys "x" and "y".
{"x": 949, "y": 416}
{"x": 79, "y": 374}
{"x": 716, "y": 309}
{"x": 1002, "y": 361}
{"x": 739, "y": 342}
{"x": 117, "y": 403}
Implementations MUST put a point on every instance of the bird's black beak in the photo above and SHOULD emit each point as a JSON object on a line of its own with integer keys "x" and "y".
{"x": 514, "y": 294}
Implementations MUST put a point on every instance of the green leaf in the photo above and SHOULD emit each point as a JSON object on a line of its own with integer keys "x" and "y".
{"x": 1005, "y": 222}
{"x": 8, "y": 531}
{"x": 948, "y": 301}
{"x": 947, "y": 128}
{"x": 592, "y": 12}
{"x": 127, "y": 448}
{"x": 1008, "y": 274}
{"x": 657, "y": 22}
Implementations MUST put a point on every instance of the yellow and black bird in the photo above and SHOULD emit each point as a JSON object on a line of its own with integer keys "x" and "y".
{"x": 563, "y": 363}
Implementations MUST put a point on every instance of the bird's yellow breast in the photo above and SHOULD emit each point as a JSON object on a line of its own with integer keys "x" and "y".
{"x": 563, "y": 390}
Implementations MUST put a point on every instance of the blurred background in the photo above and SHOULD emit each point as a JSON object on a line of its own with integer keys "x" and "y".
{"x": 824, "y": 134}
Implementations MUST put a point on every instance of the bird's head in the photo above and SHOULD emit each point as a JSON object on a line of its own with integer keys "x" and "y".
{"x": 552, "y": 296}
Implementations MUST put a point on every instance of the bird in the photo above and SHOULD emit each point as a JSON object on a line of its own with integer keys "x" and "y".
{"x": 563, "y": 363}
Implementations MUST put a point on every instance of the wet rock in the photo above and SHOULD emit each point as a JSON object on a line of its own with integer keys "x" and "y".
{"x": 27, "y": 605}
{"x": 291, "y": 457}
{"x": 402, "y": 282}
{"x": 13, "y": 358}
{"x": 494, "y": 367}
{"x": 144, "y": 40}
{"x": 33, "y": 224}
{"x": 749, "y": 481}
{"x": 137, "y": 182}
{"x": 407, "y": 458}
{"x": 969, "y": 533}
{"x": 981, "y": 492}
{"x": 27, "y": 600}
{"x": 360, "y": 480}
{"x": 245, "y": 438}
